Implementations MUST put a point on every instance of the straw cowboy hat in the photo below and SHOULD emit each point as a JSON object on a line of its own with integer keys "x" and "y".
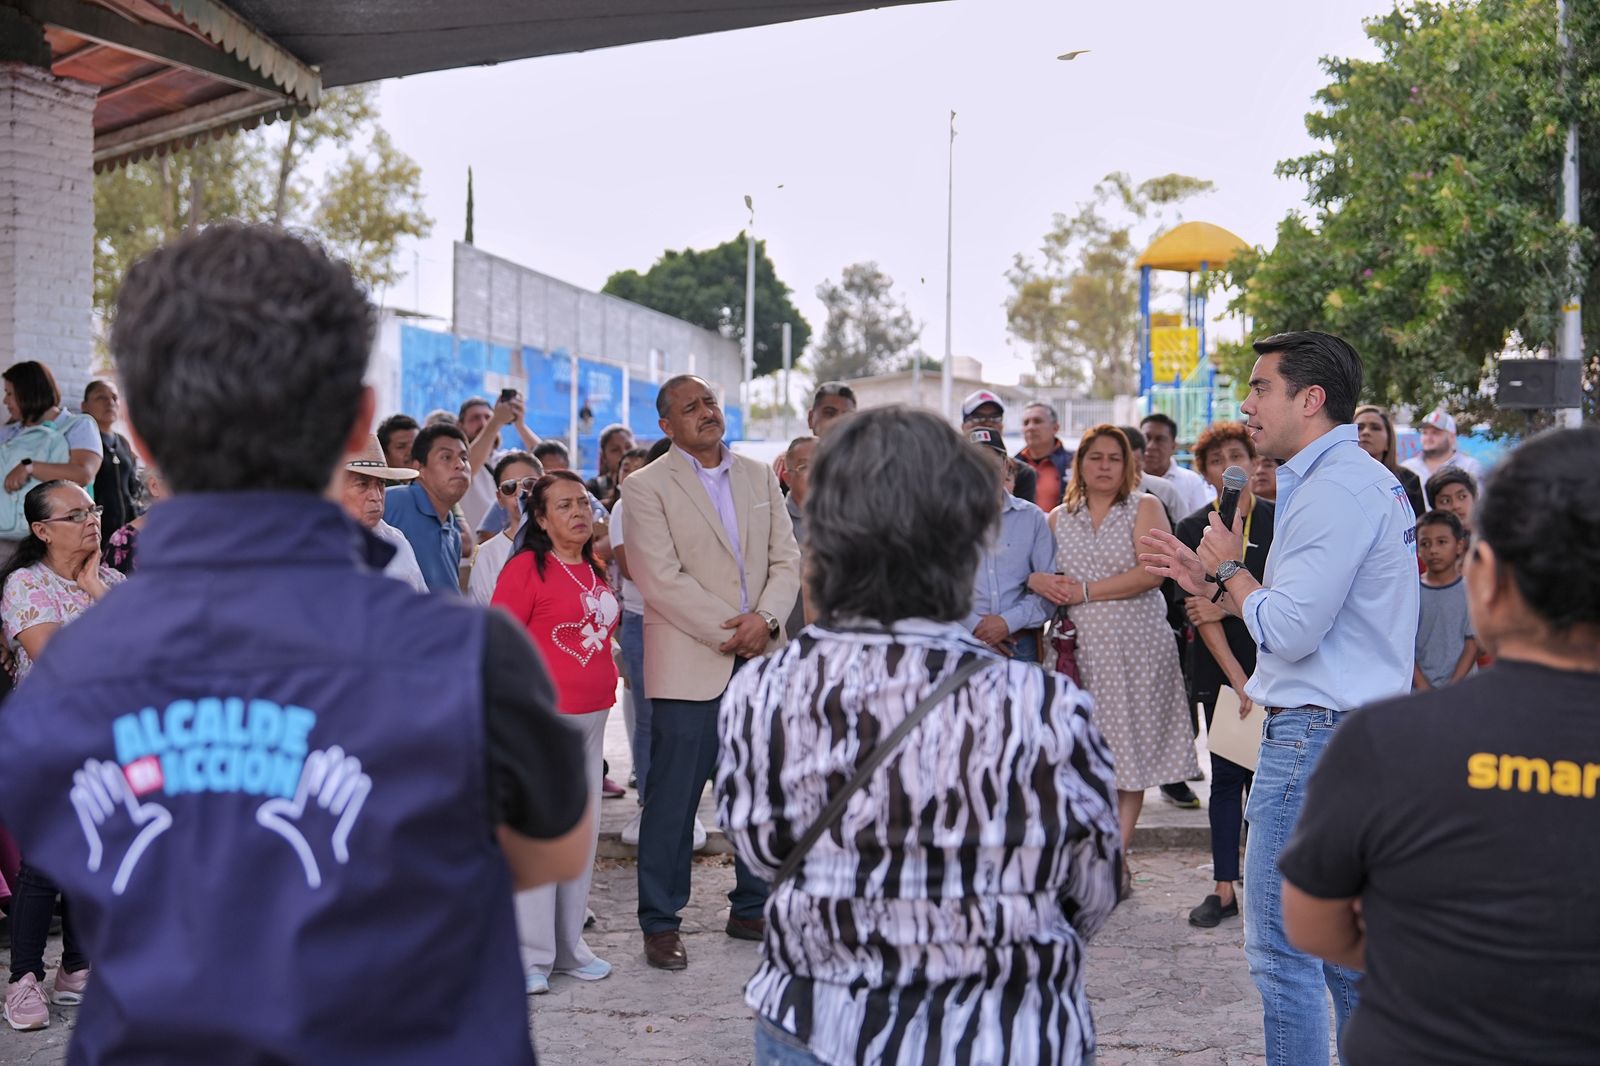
{"x": 371, "y": 462}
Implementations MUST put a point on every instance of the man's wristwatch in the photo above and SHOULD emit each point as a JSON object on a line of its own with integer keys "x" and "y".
{"x": 772, "y": 624}
{"x": 1224, "y": 573}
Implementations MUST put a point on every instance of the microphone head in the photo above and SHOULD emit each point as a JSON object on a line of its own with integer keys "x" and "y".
{"x": 1235, "y": 478}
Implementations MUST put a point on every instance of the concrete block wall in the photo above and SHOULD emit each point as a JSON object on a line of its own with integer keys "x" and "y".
{"x": 47, "y": 223}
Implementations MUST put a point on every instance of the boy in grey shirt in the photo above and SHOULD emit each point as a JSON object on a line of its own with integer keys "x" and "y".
{"x": 1446, "y": 649}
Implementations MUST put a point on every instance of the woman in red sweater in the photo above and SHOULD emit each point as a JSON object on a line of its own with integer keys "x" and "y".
{"x": 554, "y": 587}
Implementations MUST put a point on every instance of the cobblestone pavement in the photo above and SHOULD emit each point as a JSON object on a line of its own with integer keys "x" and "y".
{"x": 1164, "y": 993}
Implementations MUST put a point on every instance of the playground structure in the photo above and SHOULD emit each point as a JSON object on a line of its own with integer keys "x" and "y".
{"x": 1176, "y": 373}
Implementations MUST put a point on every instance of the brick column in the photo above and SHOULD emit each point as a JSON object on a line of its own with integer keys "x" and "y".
{"x": 47, "y": 223}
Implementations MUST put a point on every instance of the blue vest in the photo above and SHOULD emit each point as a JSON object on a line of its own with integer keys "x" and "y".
{"x": 257, "y": 770}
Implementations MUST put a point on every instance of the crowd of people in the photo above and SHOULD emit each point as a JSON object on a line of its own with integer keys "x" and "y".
{"x": 930, "y": 718}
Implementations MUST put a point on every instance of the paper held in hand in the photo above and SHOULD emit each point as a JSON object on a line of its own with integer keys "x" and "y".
{"x": 1236, "y": 739}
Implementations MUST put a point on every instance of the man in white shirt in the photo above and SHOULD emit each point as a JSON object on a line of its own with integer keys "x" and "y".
{"x": 1160, "y": 442}
{"x": 1439, "y": 449}
{"x": 366, "y": 475}
{"x": 482, "y": 422}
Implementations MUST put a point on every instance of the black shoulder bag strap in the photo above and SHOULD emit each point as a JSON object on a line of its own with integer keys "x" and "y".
{"x": 834, "y": 811}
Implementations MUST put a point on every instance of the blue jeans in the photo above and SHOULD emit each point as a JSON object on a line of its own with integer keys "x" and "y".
{"x": 1291, "y": 982}
{"x": 631, "y": 637}
{"x": 1027, "y": 646}
{"x": 776, "y": 1047}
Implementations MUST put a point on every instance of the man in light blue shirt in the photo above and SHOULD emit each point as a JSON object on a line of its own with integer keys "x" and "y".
{"x": 421, "y": 510}
{"x": 1005, "y": 615}
{"x": 1336, "y": 627}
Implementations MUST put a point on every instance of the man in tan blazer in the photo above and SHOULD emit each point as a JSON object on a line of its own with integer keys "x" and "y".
{"x": 711, "y": 547}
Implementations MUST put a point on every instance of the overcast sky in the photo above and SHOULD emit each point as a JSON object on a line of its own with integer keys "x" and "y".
{"x": 586, "y": 164}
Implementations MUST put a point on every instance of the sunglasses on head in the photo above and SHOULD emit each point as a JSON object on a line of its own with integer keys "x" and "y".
{"x": 525, "y": 484}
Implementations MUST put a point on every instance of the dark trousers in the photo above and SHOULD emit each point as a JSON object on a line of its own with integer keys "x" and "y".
{"x": 683, "y": 756}
{"x": 1229, "y": 783}
{"x": 33, "y": 904}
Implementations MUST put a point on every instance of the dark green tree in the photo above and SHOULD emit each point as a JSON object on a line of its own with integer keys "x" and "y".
{"x": 469, "y": 206}
{"x": 1432, "y": 231}
{"x": 707, "y": 289}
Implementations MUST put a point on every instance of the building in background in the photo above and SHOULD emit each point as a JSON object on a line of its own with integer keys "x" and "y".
{"x": 582, "y": 360}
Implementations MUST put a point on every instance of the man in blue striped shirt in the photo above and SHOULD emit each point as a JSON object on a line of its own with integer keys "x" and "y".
{"x": 1335, "y": 622}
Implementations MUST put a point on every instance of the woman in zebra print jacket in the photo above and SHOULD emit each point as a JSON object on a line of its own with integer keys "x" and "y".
{"x": 946, "y": 920}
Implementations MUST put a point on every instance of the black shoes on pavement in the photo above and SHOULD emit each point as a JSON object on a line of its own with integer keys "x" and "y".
{"x": 1210, "y": 913}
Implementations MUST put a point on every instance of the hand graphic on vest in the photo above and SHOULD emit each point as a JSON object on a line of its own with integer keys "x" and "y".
{"x": 332, "y": 781}
{"x": 99, "y": 792}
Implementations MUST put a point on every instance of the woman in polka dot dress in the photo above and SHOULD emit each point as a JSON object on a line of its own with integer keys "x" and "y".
{"x": 1126, "y": 656}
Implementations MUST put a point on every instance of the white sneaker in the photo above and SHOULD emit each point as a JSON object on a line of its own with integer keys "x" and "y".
{"x": 699, "y": 834}
{"x": 630, "y": 832}
{"x": 593, "y": 970}
{"x": 538, "y": 983}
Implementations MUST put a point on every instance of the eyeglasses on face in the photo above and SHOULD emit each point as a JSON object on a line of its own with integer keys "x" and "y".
{"x": 525, "y": 484}
{"x": 78, "y": 516}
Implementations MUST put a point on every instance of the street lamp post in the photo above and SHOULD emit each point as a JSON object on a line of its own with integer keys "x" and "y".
{"x": 749, "y": 311}
{"x": 1571, "y": 346}
{"x": 946, "y": 378}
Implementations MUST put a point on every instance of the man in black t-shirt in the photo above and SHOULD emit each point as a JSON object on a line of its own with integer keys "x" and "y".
{"x": 1448, "y": 841}
{"x": 1223, "y": 653}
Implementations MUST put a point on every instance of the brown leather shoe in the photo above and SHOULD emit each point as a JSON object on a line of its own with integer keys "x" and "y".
{"x": 746, "y": 928}
{"x": 665, "y": 951}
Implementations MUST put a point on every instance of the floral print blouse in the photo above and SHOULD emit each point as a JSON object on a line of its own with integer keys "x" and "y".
{"x": 36, "y": 595}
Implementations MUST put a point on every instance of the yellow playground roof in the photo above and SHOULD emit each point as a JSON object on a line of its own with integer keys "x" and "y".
{"x": 1187, "y": 246}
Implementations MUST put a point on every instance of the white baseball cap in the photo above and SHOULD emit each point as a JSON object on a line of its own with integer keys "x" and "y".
{"x": 1442, "y": 420}
{"x": 978, "y": 399}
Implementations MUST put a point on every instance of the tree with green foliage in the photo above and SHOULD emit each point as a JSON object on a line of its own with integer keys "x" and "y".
{"x": 869, "y": 330}
{"x": 468, "y": 237}
{"x": 1077, "y": 306}
{"x": 707, "y": 289}
{"x": 1433, "y": 229}
{"x": 368, "y": 200}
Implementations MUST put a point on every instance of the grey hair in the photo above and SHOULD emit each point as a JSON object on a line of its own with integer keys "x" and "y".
{"x": 664, "y": 394}
{"x": 1055, "y": 419}
{"x": 880, "y": 545}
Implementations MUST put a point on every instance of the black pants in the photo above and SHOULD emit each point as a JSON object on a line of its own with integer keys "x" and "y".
{"x": 33, "y": 904}
{"x": 1229, "y": 783}
{"x": 683, "y": 757}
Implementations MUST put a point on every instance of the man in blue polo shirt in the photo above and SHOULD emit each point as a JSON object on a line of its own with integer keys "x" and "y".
{"x": 1335, "y": 622}
{"x": 421, "y": 510}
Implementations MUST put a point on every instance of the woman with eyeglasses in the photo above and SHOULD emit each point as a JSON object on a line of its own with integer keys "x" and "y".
{"x": 55, "y": 575}
{"x": 514, "y": 477}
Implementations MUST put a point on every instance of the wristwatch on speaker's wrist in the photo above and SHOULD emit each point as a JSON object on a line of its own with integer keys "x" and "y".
{"x": 772, "y": 624}
{"x": 1224, "y": 573}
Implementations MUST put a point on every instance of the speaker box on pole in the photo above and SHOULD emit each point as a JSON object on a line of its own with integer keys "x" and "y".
{"x": 1539, "y": 384}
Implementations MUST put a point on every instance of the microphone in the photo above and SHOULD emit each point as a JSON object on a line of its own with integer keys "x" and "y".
{"x": 1233, "y": 482}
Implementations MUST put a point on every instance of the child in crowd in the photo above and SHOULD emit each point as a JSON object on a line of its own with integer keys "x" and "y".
{"x": 1446, "y": 649}
{"x": 1453, "y": 489}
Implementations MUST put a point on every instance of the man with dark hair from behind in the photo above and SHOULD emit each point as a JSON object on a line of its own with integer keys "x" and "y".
{"x": 1335, "y": 622}
{"x": 263, "y": 815}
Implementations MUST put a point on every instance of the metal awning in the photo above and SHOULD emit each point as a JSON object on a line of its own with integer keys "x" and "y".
{"x": 173, "y": 71}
